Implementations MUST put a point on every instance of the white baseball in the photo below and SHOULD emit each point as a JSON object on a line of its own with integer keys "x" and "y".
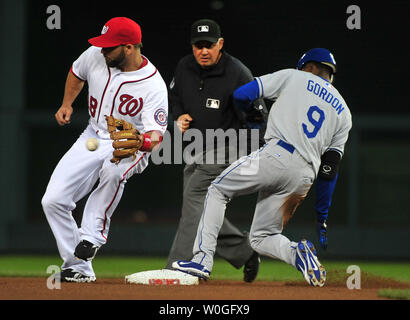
{"x": 92, "y": 144}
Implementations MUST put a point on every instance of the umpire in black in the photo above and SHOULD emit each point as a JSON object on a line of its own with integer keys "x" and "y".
{"x": 200, "y": 97}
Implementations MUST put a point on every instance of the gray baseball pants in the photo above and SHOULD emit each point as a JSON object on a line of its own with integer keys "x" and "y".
{"x": 282, "y": 180}
{"x": 231, "y": 244}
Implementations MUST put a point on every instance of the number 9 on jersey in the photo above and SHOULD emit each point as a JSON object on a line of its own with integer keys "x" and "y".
{"x": 314, "y": 112}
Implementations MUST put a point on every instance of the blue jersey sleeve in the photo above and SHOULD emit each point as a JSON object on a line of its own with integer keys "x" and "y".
{"x": 245, "y": 95}
{"x": 324, "y": 193}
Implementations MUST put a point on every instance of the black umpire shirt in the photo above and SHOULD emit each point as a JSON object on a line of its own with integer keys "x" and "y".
{"x": 206, "y": 93}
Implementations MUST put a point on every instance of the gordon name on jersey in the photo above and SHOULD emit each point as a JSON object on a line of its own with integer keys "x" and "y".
{"x": 325, "y": 94}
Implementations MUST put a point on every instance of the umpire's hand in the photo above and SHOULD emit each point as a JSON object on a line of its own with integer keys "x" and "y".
{"x": 183, "y": 122}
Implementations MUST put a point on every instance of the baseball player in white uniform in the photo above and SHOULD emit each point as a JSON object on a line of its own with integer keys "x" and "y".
{"x": 307, "y": 129}
{"x": 126, "y": 85}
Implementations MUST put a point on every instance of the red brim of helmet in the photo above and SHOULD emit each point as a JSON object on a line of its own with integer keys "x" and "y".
{"x": 103, "y": 42}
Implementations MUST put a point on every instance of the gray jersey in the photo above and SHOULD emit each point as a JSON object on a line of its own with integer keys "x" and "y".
{"x": 309, "y": 113}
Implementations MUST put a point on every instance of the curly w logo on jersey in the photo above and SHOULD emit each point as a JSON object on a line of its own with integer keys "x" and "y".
{"x": 129, "y": 105}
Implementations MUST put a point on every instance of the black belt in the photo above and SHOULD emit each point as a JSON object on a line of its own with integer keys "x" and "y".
{"x": 286, "y": 146}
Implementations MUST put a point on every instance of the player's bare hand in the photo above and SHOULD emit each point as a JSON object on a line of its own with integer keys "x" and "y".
{"x": 183, "y": 122}
{"x": 63, "y": 114}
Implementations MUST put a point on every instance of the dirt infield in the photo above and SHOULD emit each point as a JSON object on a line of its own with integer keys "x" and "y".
{"x": 117, "y": 289}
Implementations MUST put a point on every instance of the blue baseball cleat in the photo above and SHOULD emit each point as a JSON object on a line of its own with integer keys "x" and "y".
{"x": 192, "y": 268}
{"x": 308, "y": 263}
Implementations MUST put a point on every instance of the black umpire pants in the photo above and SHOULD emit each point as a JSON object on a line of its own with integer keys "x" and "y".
{"x": 232, "y": 245}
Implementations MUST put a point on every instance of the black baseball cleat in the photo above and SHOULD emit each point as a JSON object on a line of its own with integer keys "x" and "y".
{"x": 85, "y": 250}
{"x": 251, "y": 269}
{"x": 69, "y": 275}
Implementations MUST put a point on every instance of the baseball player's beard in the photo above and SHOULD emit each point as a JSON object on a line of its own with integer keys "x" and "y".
{"x": 116, "y": 62}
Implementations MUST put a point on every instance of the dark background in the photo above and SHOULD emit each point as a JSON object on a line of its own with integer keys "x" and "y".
{"x": 371, "y": 198}
{"x": 265, "y": 35}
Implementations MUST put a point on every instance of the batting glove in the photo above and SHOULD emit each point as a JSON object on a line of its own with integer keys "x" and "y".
{"x": 322, "y": 234}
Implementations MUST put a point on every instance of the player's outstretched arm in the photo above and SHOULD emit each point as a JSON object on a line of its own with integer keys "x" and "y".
{"x": 73, "y": 87}
{"x": 325, "y": 186}
{"x": 245, "y": 95}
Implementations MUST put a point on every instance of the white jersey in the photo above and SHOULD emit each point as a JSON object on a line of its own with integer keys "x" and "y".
{"x": 139, "y": 97}
{"x": 309, "y": 113}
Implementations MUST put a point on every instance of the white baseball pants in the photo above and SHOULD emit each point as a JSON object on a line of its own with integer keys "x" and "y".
{"x": 73, "y": 178}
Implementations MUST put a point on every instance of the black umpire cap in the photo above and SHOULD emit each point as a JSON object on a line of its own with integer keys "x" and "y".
{"x": 205, "y": 30}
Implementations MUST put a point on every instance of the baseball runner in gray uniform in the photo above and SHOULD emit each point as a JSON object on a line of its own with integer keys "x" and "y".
{"x": 306, "y": 133}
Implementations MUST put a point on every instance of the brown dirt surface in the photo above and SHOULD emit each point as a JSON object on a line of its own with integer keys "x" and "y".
{"x": 116, "y": 289}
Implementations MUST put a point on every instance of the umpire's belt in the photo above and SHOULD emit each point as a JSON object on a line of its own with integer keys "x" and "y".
{"x": 286, "y": 146}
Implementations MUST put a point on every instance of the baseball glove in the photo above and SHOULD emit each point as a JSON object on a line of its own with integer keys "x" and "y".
{"x": 127, "y": 139}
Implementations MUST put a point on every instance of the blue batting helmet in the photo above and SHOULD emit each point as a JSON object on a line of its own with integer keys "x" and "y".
{"x": 319, "y": 55}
